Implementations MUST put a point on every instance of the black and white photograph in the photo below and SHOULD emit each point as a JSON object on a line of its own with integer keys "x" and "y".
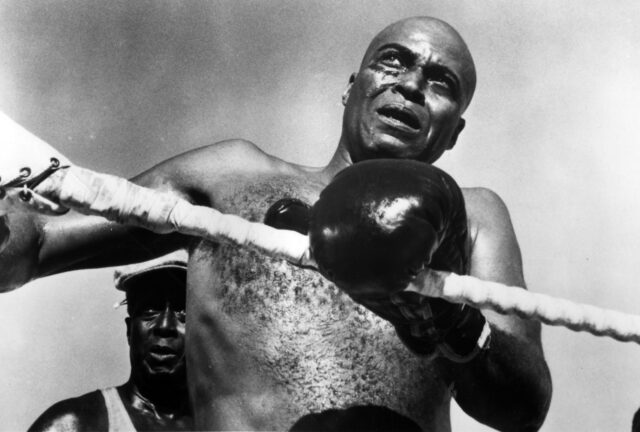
{"x": 319, "y": 215}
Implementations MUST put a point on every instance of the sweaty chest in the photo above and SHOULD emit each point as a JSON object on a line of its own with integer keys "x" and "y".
{"x": 274, "y": 292}
{"x": 273, "y": 297}
{"x": 307, "y": 338}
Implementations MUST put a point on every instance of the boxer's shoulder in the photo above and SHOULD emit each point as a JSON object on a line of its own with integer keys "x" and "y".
{"x": 221, "y": 158}
{"x": 484, "y": 206}
{"x": 495, "y": 254}
{"x": 207, "y": 174}
{"x": 235, "y": 156}
{"x": 487, "y": 214}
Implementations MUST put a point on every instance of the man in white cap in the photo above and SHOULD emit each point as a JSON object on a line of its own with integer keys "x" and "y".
{"x": 155, "y": 396}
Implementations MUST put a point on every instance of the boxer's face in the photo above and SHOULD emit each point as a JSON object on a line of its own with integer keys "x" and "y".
{"x": 156, "y": 328}
{"x": 406, "y": 101}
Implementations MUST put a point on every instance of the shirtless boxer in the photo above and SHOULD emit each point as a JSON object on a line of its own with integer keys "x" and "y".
{"x": 155, "y": 396}
{"x": 268, "y": 342}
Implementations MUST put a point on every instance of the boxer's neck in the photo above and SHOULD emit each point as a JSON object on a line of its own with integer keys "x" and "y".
{"x": 158, "y": 398}
{"x": 340, "y": 160}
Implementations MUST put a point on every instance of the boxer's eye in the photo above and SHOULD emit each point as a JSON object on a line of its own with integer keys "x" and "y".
{"x": 392, "y": 59}
{"x": 442, "y": 83}
{"x": 149, "y": 313}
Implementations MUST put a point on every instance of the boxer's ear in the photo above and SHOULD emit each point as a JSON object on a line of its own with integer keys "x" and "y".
{"x": 461, "y": 124}
{"x": 345, "y": 94}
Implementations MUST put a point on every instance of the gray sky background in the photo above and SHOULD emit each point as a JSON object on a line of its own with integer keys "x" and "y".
{"x": 118, "y": 86}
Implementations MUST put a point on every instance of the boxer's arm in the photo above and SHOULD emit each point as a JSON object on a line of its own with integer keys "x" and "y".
{"x": 75, "y": 241}
{"x": 198, "y": 177}
{"x": 34, "y": 245}
{"x": 507, "y": 386}
{"x": 37, "y": 245}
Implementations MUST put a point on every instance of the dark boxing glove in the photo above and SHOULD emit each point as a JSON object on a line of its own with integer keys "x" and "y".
{"x": 289, "y": 213}
{"x": 378, "y": 224}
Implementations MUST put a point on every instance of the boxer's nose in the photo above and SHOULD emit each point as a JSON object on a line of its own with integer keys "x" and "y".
{"x": 411, "y": 85}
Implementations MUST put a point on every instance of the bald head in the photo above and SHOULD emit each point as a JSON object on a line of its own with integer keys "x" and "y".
{"x": 434, "y": 38}
{"x": 416, "y": 79}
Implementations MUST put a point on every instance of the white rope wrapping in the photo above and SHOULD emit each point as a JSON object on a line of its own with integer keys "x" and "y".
{"x": 547, "y": 309}
{"x": 119, "y": 200}
{"x": 208, "y": 223}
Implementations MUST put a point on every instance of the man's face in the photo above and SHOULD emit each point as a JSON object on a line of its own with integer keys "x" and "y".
{"x": 406, "y": 101}
{"x": 156, "y": 327}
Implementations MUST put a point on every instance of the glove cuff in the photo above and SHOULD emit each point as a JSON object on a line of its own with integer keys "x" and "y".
{"x": 430, "y": 326}
{"x": 458, "y": 334}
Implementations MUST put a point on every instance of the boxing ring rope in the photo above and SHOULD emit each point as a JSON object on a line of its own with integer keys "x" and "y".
{"x": 121, "y": 201}
{"x": 163, "y": 212}
{"x": 518, "y": 301}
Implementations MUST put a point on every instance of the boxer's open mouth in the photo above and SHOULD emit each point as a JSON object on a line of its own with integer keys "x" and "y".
{"x": 162, "y": 350}
{"x": 400, "y": 116}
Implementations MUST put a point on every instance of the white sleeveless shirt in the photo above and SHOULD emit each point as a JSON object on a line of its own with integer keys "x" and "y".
{"x": 119, "y": 420}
